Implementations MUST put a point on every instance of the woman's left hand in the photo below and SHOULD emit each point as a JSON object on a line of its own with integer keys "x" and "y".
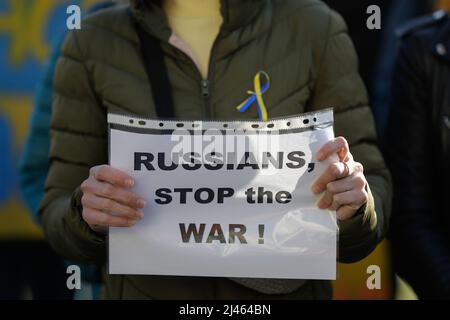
{"x": 343, "y": 182}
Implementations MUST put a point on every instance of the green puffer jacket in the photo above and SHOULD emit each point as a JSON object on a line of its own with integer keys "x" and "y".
{"x": 301, "y": 44}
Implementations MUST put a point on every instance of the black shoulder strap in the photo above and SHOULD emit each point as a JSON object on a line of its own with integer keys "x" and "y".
{"x": 156, "y": 69}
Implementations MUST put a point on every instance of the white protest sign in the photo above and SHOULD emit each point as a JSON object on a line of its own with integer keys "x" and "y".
{"x": 225, "y": 199}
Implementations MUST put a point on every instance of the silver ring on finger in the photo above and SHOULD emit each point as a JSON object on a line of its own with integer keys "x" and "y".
{"x": 347, "y": 170}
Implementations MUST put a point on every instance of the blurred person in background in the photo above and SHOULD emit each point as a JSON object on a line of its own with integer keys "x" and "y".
{"x": 101, "y": 69}
{"x": 28, "y": 268}
{"x": 376, "y": 48}
{"x": 367, "y": 42}
{"x": 417, "y": 147}
{"x": 34, "y": 163}
{"x": 400, "y": 11}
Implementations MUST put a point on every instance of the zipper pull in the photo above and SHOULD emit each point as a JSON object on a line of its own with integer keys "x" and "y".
{"x": 205, "y": 88}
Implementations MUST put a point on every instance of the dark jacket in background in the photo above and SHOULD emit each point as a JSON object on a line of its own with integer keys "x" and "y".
{"x": 418, "y": 153}
{"x": 376, "y": 48}
{"x": 367, "y": 42}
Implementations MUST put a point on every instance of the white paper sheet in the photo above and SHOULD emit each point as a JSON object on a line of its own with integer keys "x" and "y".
{"x": 289, "y": 238}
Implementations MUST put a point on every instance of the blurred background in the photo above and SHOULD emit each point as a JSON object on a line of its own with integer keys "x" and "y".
{"x": 31, "y": 29}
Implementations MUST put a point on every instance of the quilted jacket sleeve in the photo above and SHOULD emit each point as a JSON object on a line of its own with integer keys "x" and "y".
{"x": 339, "y": 85}
{"x": 78, "y": 142}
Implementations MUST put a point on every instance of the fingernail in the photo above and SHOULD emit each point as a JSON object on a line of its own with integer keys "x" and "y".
{"x": 130, "y": 182}
{"x": 140, "y": 215}
{"x": 319, "y": 156}
{"x": 321, "y": 205}
{"x": 315, "y": 189}
{"x": 141, "y": 203}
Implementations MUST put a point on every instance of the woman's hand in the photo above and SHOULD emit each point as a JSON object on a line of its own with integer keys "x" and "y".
{"x": 107, "y": 201}
{"x": 343, "y": 182}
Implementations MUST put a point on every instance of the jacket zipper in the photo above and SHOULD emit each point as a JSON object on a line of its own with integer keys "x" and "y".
{"x": 205, "y": 88}
{"x": 205, "y": 92}
{"x": 206, "y": 83}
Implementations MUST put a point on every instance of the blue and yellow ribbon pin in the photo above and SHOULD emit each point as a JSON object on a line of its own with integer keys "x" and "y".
{"x": 261, "y": 83}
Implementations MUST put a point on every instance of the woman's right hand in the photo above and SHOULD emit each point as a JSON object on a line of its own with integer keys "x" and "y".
{"x": 107, "y": 200}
